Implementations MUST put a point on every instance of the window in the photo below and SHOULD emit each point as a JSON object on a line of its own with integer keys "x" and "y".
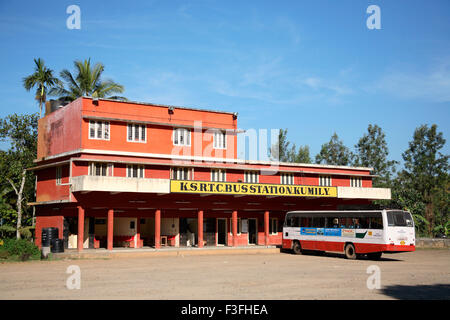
{"x": 325, "y": 181}
{"x": 136, "y": 132}
{"x": 135, "y": 171}
{"x": 58, "y": 175}
{"x": 180, "y": 173}
{"x": 356, "y": 182}
{"x": 100, "y": 169}
{"x": 251, "y": 176}
{"x": 220, "y": 140}
{"x": 99, "y": 130}
{"x": 273, "y": 226}
{"x": 181, "y": 137}
{"x": 287, "y": 178}
{"x": 218, "y": 175}
{"x": 239, "y": 226}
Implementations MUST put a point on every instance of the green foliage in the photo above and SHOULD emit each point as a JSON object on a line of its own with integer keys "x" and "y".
{"x": 334, "y": 152}
{"x": 287, "y": 153}
{"x": 42, "y": 79}
{"x": 86, "y": 81}
{"x": 372, "y": 151}
{"x": 21, "y": 248}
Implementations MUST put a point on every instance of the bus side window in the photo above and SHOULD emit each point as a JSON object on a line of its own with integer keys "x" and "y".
{"x": 376, "y": 223}
{"x": 364, "y": 222}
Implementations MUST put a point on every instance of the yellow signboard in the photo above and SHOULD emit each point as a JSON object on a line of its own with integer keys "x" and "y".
{"x": 255, "y": 189}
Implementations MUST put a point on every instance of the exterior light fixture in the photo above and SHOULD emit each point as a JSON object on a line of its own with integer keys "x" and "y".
{"x": 170, "y": 110}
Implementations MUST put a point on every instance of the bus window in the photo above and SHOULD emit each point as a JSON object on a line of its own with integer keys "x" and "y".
{"x": 399, "y": 219}
{"x": 333, "y": 222}
{"x": 364, "y": 222}
{"x": 376, "y": 223}
{"x": 305, "y": 222}
{"x": 318, "y": 222}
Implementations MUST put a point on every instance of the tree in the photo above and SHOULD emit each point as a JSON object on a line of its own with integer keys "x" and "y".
{"x": 20, "y": 131}
{"x": 372, "y": 151}
{"x": 42, "y": 79}
{"x": 287, "y": 153}
{"x": 426, "y": 171}
{"x": 334, "y": 152}
{"x": 86, "y": 81}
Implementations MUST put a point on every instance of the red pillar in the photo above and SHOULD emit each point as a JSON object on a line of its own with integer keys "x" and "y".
{"x": 234, "y": 221}
{"x": 138, "y": 232}
{"x": 200, "y": 228}
{"x": 80, "y": 236}
{"x": 158, "y": 229}
{"x": 110, "y": 229}
{"x": 266, "y": 228}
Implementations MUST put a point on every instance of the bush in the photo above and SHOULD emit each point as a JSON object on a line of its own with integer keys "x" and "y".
{"x": 24, "y": 249}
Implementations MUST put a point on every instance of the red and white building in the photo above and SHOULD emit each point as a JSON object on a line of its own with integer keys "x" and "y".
{"x": 113, "y": 174}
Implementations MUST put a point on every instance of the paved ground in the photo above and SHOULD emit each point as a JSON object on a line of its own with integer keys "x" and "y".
{"x": 424, "y": 274}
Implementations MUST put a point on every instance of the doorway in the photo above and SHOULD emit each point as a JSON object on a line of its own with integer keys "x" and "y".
{"x": 221, "y": 232}
{"x": 252, "y": 231}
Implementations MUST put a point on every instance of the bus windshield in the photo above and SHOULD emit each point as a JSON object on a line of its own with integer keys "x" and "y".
{"x": 399, "y": 219}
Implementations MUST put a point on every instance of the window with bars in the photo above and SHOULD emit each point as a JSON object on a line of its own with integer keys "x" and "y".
{"x": 101, "y": 169}
{"x": 136, "y": 132}
{"x": 251, "y": 176}
{"x": 325, "y": 181}
{"x": 58, "y": 175}
{"x": 180, "y": 173}
{"x": 287, "y": 178}
{"x": 99, "y": 130}
{"x": 273, "y": 226}
{"x": 220, "y": 140}
{"x": 135, "y": 171}
{"x": 356, "y": 182}
{"x": 181, "y": 137}
{"x": 218, "y": 175}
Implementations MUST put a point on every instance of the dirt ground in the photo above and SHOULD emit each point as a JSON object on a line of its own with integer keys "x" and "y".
{"x": 424, "y": 274}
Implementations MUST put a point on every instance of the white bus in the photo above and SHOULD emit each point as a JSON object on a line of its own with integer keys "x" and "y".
{"x": 354, "y": 233}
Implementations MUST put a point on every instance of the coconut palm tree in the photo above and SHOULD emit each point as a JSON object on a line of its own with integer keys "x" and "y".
{"x": 42, "y": 79}
{"x": 86, "y": 82}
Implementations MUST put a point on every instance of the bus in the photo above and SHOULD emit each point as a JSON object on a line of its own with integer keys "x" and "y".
{"x": 354, "y": 233}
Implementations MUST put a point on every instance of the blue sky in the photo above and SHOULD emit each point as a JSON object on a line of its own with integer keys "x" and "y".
{"x": 312, "y": 67}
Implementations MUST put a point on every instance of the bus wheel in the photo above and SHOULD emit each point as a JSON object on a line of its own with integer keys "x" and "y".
{"x": 350, "y": 252}
{"x": 374, "y": 255}
{"x": 297, "y": 248}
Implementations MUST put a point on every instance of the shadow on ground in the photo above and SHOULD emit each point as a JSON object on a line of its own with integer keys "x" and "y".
{"x": 428, "y": 292}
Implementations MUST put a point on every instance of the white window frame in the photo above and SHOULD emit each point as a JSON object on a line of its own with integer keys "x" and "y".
{"x": 58, "y": 175}
{"x": 139, "y": 126}
{"x": 287, "y": 178}
{"x": 220, "y": 139}
{"x": 218, "y": 175}
{"x": 249, "y": 176}
{"x": 105, "y": 131}
{"x": 109, "y": 169}
{"x": 175, "y": 176}
{"x": 325, "y": 181}
{"x": 356, "y": 182}
{"x": 274, "y": 227}
{"x": 140, "y": 171}
{"x": 181, "y": 132}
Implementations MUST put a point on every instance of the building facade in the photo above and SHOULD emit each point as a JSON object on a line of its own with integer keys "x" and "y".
{"x": 127, "y": 174}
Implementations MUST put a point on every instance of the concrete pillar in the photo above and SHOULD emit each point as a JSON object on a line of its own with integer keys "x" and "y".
{"x": 234, "y": 222}
{"x": 80, "y": 236}
{"x": 200, "y": 228}
{"x": 266, "y": 228}
{"x": 158, "y": 229}
{"x": 110, "y": 233}
{"x": 138, "y": 232}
